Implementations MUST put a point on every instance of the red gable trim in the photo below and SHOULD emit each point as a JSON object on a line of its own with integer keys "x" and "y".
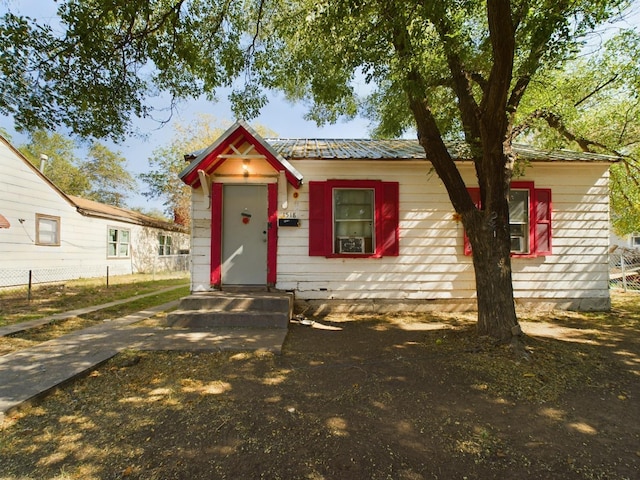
{"x": 210, "y": 162}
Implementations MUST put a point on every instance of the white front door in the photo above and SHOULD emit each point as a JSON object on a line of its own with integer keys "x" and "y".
{"x": 244, "y": 235}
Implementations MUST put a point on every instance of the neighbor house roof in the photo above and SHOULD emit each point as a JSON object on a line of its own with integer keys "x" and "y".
{"x": 407, "y": 149}
{"x": 91, "y": 208}
{"x": 96, "y": 209}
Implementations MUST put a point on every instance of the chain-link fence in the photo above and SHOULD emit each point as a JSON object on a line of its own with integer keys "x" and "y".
{"x": 624, "y": 269}
{"x": 25, "y": 283}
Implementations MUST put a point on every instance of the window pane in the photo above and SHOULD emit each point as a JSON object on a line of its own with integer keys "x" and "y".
{"x": 353, "y": 215}
{"x": 519, "y": 220}
{"x": 47, "y": 231}
{"x": 519, "y": 206}
{"x": 353, "y": 204}
{"x": 355, "y": 228}
{"x": 118, "y": 243}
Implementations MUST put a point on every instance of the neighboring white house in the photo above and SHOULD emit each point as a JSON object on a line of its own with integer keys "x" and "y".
{"x": 628, "y": 241}
{"x": 42, "y": 228}
{"x": 368, "y": 225}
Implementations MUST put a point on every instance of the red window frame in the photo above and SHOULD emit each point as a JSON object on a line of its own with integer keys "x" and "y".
{"x": 540, "y": 208}
{"x": 386, "y": 217}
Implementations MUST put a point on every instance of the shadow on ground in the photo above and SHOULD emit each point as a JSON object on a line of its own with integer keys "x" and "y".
{"x": 400, "y": 398}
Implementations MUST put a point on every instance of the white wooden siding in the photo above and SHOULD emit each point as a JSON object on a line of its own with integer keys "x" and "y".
{"x": 432, "y": 267}
{"x": 83, "y": 239}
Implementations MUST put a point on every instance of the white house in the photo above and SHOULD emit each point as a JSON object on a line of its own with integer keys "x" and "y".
{"x": 367, "y": 224}
{"x": 63, "y": 237}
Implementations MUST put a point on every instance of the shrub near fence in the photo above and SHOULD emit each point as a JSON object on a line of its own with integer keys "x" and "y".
{"x": 624, "y": 269}
{"x": 24, "y": 283}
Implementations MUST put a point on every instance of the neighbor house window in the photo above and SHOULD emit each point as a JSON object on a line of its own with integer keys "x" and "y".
{"x": 118, "y": 242}
{"x": 529, "y": 219}
{"x": 635, "y": 240}
{"x": 47, "y": 230}
{"x": 165, "y": 245}
{"x": 353, "y": 218}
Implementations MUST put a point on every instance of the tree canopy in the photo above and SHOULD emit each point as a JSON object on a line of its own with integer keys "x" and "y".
{"x": 63, "y": 164}
{"x": 102, "y": 176}
{"x": 450, "y": 69}
{"x": 167, "y": 161}
{"x": 593, "y": 105}
{"x": 110, "y": 181}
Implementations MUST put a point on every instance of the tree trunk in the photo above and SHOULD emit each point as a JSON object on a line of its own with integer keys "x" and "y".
{"x": 487, "y": 128}
{"x": 489, "y": 235}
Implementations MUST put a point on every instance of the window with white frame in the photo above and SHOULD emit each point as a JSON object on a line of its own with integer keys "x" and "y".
{"x": 118, "y": 242}
{"x": 353, "y": 211}
{"x": 165, "y": 247}
{"x": 47, "y": 230}
{"x": 519, "y": 220}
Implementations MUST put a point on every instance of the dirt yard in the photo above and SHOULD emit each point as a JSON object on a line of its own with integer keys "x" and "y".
{"x": 411, "y": 397}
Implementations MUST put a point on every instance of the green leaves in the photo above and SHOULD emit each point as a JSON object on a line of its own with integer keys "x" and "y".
{"x": 594, "y": 105}
{"x": 108, "y": 62}
{"x": 102, "y": 177}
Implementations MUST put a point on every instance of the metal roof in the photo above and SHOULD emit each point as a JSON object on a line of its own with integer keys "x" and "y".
{"x": 407, "y": 149}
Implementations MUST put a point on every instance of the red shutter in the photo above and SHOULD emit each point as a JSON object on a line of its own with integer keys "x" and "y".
{"x": 390, "y": 217}
{"x": 318, "y": 218}
{"x": 474, "y": 192}
{"x": 216, "y": 234}
{"x": 542, "y": 243}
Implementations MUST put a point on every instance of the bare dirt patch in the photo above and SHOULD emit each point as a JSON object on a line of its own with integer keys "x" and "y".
{"x": 411, "y": 397}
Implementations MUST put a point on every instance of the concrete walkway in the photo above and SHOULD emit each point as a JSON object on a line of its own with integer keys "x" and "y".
{"x": 29, "y": 374}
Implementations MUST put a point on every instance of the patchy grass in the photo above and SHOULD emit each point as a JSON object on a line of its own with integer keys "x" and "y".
{"x": 57, "y": 328}
{"x": 76, "y": 294}
{"x": 402, "y": 397}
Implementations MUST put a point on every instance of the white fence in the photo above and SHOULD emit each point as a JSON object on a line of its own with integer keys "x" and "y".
{"x": 624, "y": 269}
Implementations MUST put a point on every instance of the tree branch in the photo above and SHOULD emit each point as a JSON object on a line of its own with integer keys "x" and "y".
{"x": 596, "y": 90}
{"x": 252, "y": 47}
{"x": 502, "y": 35}
{"x": 467, "y": 104}
{"x": 555, "y": 122}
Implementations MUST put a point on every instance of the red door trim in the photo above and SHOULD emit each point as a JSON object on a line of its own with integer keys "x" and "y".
{"x": 272, "y": 234}
{"x": 216, "y": 235}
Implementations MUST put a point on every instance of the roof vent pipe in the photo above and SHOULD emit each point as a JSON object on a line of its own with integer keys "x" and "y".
{"x": 43, "y": 162}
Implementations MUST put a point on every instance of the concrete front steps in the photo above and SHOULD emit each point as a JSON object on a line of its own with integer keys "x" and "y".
{"x": 210, "y": 310}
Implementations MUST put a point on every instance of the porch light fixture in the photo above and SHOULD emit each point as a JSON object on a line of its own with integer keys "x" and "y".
{"x": 245, "y": 167}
